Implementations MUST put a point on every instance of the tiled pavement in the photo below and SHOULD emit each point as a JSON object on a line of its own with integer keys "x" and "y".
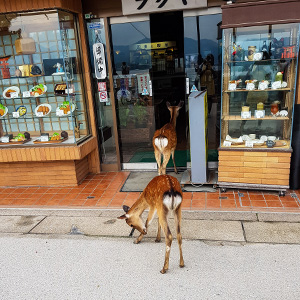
{"x": 103, "y": 191}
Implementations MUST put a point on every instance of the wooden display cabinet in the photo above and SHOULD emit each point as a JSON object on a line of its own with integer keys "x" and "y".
{"x": 258, "y": 92}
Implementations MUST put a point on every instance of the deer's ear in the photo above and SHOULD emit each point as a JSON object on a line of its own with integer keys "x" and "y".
{"x": 126, "y": 208}
{"x": 123, "y": 217}
{"x": 180, "y": 104}
{"x": 168, "y": 104}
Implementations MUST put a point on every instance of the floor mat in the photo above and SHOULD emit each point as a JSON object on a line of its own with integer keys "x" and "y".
{"x": 138, "y": 180}
{"x": 181, "y": 157}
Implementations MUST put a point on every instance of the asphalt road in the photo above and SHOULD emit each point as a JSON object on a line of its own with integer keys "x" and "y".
{"x": 80, "y": 267}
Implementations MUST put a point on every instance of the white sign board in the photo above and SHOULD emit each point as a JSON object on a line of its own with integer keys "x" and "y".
{"x": 99, "y": 61}
{"x": 143, "y": 83}
{"x": 130, "y": 7}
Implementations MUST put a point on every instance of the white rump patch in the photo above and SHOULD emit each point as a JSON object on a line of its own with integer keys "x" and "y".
{"x": 161, "y": 143}
{"x": 172, "y": 202}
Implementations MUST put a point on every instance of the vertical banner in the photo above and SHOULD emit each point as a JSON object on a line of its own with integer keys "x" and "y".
{"x": 99, "y": 61}
{"x": 143, "y": 83}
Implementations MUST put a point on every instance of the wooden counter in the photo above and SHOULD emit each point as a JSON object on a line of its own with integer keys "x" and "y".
{"x": 41, "y": 166}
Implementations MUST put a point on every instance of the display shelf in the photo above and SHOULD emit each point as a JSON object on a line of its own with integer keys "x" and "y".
{"x": 257, "y": 91}
{"x": 257, "y": 163}
{"x": 238, "y": 118}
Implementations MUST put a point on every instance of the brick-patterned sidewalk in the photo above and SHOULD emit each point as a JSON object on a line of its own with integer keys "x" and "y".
{"x": 103, "y": 191}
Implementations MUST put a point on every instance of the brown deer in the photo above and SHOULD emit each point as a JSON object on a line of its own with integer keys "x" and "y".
{"x": 165, "y": 140}
{"x": 162, "y": 194}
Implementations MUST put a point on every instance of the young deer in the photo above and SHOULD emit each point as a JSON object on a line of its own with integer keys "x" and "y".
{"x": 165, "y": 140}
{"x": 162, "y": 194}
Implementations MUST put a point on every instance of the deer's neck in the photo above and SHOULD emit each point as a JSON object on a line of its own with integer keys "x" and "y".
{"x": 139, "y": 206}
{"x": 173, "y": 120}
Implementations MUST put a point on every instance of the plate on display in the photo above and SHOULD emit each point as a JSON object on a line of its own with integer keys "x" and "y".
{"x": 64, "y": 109}
{"x": 22, "y": 110}
{"x": 3, "y": 111}
{"x": 42, "y": 110}
{"x": 38, "y": 90}
{"x": 12, "y": 89}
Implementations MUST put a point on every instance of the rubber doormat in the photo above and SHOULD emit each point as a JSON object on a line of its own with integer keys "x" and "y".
{"x": 138, "y": 180}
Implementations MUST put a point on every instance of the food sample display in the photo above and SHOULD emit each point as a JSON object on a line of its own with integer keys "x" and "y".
{"x": 256, "y": 120}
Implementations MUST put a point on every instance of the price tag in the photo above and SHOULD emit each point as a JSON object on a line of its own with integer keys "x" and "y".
{"x": 16, "y": 114}
{"x": 227, "y": 144}
{"x": 44, "y": 138}
{"x": 249, "y": 144}
{"x": 246, "y": 114}
{"x": 39, "y": 114}
{"x": 5, "y": 139}
{"x": 26, "y": 94}
{"x": 70, "y": 91}
{"x": 14, "y": 95}
{"x": 60, "y": 113}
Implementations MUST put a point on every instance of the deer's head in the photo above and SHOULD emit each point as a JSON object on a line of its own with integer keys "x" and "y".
{"x": 133, "y": 219}
{"x": 174, "y": 110}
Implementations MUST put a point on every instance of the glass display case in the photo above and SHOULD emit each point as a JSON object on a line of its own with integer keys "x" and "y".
{"x": 259, "y": 72}
{"x": 258, "y": 92}
{"x": 42, "y": 97}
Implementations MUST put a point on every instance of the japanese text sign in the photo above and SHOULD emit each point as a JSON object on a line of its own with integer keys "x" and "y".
{"x": 99, "y": 60}
{"x": 130, "y": 7}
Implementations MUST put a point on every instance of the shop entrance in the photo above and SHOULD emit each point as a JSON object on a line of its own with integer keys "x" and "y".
{"x": 156, "y": 60}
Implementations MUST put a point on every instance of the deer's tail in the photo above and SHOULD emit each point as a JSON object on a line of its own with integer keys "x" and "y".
{"x": 161, "y": 142}
{"x": 172, "y": 199}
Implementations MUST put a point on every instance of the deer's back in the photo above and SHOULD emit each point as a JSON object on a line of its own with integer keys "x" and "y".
{"x": 160, "y": 187}
{"x": 168, "y": 131}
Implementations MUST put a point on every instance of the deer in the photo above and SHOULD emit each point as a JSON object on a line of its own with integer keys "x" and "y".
{"x": 165, "y": 140}
{"x": 162, "y": 194}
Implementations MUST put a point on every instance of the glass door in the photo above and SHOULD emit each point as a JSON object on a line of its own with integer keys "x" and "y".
{"x": 203, "y": 62}
{"x": 131, "y": 49}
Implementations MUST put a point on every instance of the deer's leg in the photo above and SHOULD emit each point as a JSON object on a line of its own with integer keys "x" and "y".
{"x": 148, "y": 221}
{"x": 177, "y": 216}
{"x": 173, "y": 157}
{"x": 168, "y": 236}
{"x": 165, "y": 161}
{"x": 158, "y": 237}
{"x": 157, "y": 154}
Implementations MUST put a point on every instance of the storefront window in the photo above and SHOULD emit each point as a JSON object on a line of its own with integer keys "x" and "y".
{"x": 102, "y": 96}
{"x": 41, "y": 80}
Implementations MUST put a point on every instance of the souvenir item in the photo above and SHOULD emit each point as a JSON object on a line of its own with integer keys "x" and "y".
{"x": 251, "y": 51}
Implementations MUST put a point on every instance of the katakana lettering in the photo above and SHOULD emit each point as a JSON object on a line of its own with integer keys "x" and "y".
{"x": 100, "y": 69}
{"x": 143, "y": 4}
{"x": 162, "y": 4}
{"x": 99, "y": 61}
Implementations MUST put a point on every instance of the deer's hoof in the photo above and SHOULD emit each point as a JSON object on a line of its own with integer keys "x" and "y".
{"x": 157, "y": 240}
{"x": 181, "y": 265}
{"x": 163, "y": 271}
{"x": 136, "y": 242}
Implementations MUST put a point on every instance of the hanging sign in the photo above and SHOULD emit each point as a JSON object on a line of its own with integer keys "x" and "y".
{"x": 130, "y": 7}
{"x": 99, "y": 60}
{"x": 95, "y": 25}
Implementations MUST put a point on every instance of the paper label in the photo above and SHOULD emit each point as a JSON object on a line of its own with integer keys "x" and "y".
{"x": 227, "y": 144}
{"x": 70, "y": 91}
{"x": 16, "y": 114}
{"x": 14, "y": 95}
{"x": 5, "y": 139}
{"x": 39, "y": 114}
{"x": 249, "y": 144}
{"x": 26, "y": 94}
{"x": 246, "y": 114}
{"x": 44, "y": 138}
{"x": 60, "y": 113}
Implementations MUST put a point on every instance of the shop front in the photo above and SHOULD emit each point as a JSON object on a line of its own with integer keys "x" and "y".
{"x": 153, "y": 57}
{"x": 46, "y": 120}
